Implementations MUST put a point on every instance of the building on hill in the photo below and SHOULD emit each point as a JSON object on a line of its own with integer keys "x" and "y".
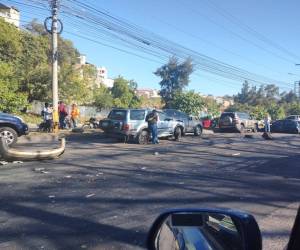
{"x": 102, "y": 78}
{"x": 148, "y": 93}
{"x": 10, "y": 14}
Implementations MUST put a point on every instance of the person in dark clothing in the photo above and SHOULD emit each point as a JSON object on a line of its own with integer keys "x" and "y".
{"x": 152, "y": 119}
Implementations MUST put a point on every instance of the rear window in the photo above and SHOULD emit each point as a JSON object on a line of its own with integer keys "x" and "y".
{"x": 117, "y": 115}
{"x": 227, "y": 114}
{"x": 137, "y": 115}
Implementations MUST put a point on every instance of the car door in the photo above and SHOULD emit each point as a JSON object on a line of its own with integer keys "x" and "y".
{"x": 289, "y": 126}
{"x": 162, "y": 124}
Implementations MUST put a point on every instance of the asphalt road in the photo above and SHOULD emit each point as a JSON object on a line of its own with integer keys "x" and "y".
{"x": 104, "y": 195}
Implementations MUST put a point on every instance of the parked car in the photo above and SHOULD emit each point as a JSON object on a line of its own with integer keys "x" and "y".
{"x": 192, "y": 124}
{"x": 293, "y": 117}
{"x": 11, "y": 127}
{"x": 239, "y": 121}
{"x": 130, "y": 124}
{"x": 286, "y": 126}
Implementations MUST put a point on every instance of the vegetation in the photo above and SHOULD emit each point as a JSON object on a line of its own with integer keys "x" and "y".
{"x": 265, "y": 99}
{"x": 175, "y": 77}
{"x": 25, "y": 73}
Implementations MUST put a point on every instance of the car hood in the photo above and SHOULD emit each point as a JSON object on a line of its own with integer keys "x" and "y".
{"x": 8, "y": 117}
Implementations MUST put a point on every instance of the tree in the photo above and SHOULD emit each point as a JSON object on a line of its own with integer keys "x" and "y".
{"x": 189, "y": 102}
{"x": 123, "y": 94}
{"x": 175, "y": 77}
{"x": 212, "y": 107}
{"x": 103, "y": 98}
{"x": 11, "y": 100}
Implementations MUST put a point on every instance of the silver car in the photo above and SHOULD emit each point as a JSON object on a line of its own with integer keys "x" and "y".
{"x": 130, "y": 124}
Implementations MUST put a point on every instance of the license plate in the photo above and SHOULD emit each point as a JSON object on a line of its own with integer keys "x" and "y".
{"x": 105, "y": 124}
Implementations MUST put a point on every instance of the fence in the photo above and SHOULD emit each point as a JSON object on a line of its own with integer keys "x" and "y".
{"x": 85, "y": 111}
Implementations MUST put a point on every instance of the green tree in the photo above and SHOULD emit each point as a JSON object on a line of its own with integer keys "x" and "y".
{"x": 11, "y": 100}
{"x": 123, "y": 94}
{"x": 175, "y": 77}
{"x": 212, "y": 107}
{"x": 189, "y": 102}
{"x": 103, "y": 98}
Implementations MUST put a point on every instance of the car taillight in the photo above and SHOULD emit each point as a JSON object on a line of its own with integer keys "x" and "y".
{"x": 126, "y": 127}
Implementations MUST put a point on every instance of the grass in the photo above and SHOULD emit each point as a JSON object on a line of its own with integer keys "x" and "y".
{"x": 31, "y": 118}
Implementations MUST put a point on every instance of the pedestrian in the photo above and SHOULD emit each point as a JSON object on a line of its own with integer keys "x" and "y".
{"x": 62, "y": 112}
{"x": 74, "y": 115}
{"x": 267, "y": 122}
{"x": 47, "y": 116}
{"x": 152, "y": 119}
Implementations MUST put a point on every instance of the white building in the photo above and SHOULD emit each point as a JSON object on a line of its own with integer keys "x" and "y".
{"x": 102, "y": 78}
{"x": 149, "y": 93}
{"x": 10, "y": 14}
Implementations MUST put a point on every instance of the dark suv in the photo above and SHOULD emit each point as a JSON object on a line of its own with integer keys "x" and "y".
{"x": 237, "y": 121}
{"x": 11, "y": 127}
{"x": 192, "y": 124}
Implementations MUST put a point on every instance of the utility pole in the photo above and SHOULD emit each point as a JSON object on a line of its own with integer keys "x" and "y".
{"x": 54, "y": 65}
{"x": 54, "y": 33}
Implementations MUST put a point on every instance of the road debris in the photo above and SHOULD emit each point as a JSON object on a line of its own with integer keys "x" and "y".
{"x": 89, "y": 195}
{"x": 51, "y": 196}
{"x": 235, "y": 154}
{"x": 156, "y": 153}
{"x": 68, "y": 176}
{"x": 143, "y": 168}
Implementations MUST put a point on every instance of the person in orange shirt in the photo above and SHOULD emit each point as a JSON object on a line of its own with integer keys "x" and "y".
{"x": 74, "y": 115}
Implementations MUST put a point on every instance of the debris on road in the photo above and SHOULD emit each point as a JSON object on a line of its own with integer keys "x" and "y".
{"x": 68, "y": 176}
{"x": 156, "y": 153}
{"x": 89, "y": 195}
{"x": 40, "y": 170}
{"x": 143, "y": 168}
{"x": 51, "y": 196}
{"x": 235, "y": 154}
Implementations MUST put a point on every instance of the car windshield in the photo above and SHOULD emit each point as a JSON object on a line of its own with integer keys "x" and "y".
{"x": 117, "y": 115}
{"x": 227, "y": 114}
{"x": 137, "y": 114}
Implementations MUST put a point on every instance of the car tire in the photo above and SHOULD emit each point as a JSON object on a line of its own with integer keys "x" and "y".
{"x": 198, "y": 131}
{"x": 143, "y": 137}
{"x": 177, "y": 133}
{"x": 10, "y": 135}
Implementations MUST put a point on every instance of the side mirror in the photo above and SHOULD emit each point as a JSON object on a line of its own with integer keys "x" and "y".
{"x": 204, "y": 229}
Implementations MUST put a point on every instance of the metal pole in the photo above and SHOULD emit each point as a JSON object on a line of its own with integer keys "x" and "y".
{"x": 54, "y": 65}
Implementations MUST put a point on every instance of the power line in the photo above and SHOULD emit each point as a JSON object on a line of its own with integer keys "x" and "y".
{"x": 250, "y": 30}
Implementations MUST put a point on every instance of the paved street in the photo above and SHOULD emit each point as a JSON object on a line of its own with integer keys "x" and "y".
{"x": 104, "y": 195}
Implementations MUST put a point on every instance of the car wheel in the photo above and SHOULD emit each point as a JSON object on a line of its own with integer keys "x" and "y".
{"x": 9, "y": 134}
{"x": 177, "y": 134}
{"x": 143, "y": 137}
{"x": 198, "y": 131}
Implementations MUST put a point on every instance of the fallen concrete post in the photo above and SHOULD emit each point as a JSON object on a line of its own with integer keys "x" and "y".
{"x": 13, "y": 154}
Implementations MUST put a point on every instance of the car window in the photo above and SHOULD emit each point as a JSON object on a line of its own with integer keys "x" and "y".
{"x": 290, "y": 117}
{"x": 137, "y": 115}
{"x": 162, "y": 116}
{"x": 117, "y": 115}
{"x": 227, "y": 114}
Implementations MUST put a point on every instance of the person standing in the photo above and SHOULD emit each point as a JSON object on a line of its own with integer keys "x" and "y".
{"x": 152, "y": 119}
{"x": 267, "y": 122}
{"x": 74, "y": 115}
{"x": 47, "y": 116}
{"x": 62, "y": 112}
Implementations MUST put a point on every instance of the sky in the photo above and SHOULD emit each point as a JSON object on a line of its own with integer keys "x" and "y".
{"x": 204, "y": 26}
